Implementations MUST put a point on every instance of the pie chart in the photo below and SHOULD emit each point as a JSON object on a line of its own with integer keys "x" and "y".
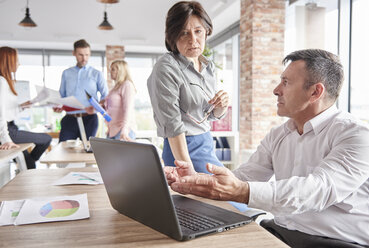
{"x": 57, "y": 209}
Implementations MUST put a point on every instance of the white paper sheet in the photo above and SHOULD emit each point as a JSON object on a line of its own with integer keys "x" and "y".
{"x": 80, "y": 178}
{"x": 46, "y": 96}
{"x": 70, "y": 101}
{"x": 50, "y": 209}
{"x": 9, "y": 211}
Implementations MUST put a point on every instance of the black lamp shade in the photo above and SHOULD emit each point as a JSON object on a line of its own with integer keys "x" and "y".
{"x": 105, "y": 25}
{"x": 27, "y": 21}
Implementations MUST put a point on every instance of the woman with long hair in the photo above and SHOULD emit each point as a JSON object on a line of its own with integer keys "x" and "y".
{"x": 10, "y": 135}
{"x": 119, "y": 103}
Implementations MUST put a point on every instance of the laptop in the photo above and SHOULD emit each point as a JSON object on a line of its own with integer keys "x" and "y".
{"x": 85, "y": 142}
{"x": 137, "y": 187}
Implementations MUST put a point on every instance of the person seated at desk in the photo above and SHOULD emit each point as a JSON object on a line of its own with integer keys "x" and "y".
{"x": 119, "y": 103}
{"x": 10, "y": 135}
{"x": 319, "y": 157}
{"x": 182, "y": 88}
{"x": 76, "y": 81}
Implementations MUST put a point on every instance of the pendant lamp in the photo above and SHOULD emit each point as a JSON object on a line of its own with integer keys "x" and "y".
{"x": 105, "y": 25}
{"x": 27, "y": 21}
{"x": 108, "y": 1}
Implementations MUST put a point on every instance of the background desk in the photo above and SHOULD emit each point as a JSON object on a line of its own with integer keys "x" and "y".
{"x": 61, "y": 154}
{"x": 6, "y": 155}
{"x": 106, "y": 227}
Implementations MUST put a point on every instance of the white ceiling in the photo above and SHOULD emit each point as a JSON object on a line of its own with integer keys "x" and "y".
{"x": 138, "y": 24}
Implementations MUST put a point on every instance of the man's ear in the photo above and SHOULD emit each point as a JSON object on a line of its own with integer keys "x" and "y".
{"x": 317, "y": 92}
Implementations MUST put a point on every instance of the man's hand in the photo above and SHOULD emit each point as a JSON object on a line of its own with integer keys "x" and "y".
{"x": 8, "y": 145}
{"x": 222, "y": 185}
{"x": 182, "y": 169}
{"x": 57, "y": 109}
{"x": 90, "y": 110}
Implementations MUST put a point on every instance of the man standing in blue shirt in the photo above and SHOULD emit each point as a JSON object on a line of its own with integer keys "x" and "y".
{"x": 76, "y": 81}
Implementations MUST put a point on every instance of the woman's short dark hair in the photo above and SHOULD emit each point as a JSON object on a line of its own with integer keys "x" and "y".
{"x": 177, "y": 18}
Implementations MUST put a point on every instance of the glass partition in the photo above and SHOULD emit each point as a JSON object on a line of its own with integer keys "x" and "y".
{"x": 359, "y": 104}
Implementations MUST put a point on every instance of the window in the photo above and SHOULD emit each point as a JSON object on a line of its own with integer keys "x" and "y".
{"x": 349, "y": 39}
{"x": 311, "y": 24}
{"x": 140, "y": 68}
{"x": 359, "y": 89}
{"x": 45, "y": 68}
{"x": 226, "y": 59}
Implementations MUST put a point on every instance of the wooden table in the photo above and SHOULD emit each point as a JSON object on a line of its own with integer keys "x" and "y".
{"x": 106, "y": 227}
{"x": 6, "y": 155}
{"x": 61, "y": 154}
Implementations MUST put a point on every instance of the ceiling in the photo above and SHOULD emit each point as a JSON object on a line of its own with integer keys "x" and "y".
{"x": 138, "y": 24}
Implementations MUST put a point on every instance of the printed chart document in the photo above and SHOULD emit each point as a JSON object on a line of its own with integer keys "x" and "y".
{"x": 80, "y": 178}
{"x": 49, "y": 209}
{"x": 46, "y": 97}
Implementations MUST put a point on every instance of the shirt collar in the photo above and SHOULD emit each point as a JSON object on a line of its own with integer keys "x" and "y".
{"x": 184, "y": 63}
{"x": 84, "y": 67}
{"x": 321, "y": 120}
{"x": 317, "y": 123}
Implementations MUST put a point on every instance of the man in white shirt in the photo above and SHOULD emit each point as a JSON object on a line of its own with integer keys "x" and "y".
{"x": 319, "y": 157}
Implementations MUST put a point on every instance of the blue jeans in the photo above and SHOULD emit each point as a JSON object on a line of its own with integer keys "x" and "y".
{"x": 41, "y": 141}
{"x": 200, "y": 148}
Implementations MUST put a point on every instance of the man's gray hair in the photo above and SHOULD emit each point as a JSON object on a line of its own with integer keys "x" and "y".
{"x": 321, "y": 66}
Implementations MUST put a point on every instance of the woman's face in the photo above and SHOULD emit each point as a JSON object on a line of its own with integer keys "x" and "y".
{"x": 113, "y": 71}
{"x": 191, "y": 41}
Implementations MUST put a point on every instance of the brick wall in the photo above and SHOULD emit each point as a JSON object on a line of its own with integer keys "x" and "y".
{"x": 113, "y": 53}
{"x": 261, "y": 53}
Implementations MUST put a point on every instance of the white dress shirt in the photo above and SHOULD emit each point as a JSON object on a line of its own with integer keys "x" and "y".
{"x": 322, "y": 176}
{"x": 8, "y": 109}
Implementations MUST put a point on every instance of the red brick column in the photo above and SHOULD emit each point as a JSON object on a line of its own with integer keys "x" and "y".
{"x": 261, "y": 53}
{"x": 113, "y": 53}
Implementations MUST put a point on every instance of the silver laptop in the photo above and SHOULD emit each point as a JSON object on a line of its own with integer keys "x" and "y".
{"x": 137, "y": 187}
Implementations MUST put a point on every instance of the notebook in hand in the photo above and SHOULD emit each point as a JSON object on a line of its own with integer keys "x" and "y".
{"x": 137, "y": 187}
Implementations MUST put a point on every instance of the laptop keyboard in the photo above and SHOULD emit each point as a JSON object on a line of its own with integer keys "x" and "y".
{"x": 194, "y": 221}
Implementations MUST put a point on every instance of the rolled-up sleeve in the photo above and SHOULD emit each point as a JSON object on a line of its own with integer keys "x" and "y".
{"x": 164, "y": 90}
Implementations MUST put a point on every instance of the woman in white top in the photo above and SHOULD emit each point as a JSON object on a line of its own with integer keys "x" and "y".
{"x": 10, "y": 136}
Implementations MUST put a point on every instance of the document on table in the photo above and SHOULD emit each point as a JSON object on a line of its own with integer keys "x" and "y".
{"x": 80, "y": 178}
{"x": 47, "y": 209}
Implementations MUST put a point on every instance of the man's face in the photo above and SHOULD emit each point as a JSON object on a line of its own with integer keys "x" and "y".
{"x": 82, "y": 55}
{"x": 293, "y": 99}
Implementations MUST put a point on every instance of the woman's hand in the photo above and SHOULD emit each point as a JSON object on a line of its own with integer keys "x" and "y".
{"x": 8, "y": 145}
{"x": 220, "y": 102}
{"x": 124, "y": 136}
{"x": 27, "y": 104}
